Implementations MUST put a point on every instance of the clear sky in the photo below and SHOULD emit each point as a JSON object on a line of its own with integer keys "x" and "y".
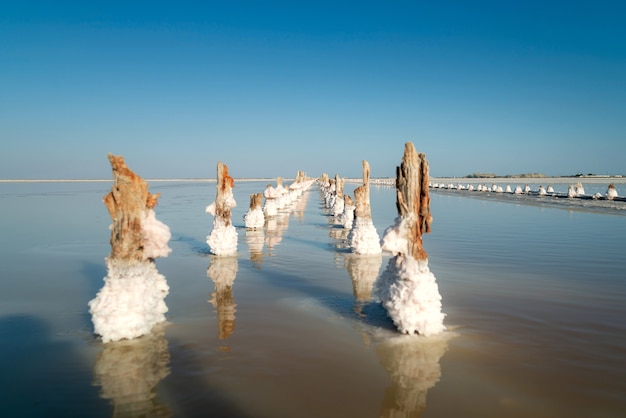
{"x": 272, "y": 87}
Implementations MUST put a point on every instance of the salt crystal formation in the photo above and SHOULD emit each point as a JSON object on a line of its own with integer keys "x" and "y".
{"x": 132, "y": 300}
{"x": 407, "y": 288}
{"x": 223, "y": 238}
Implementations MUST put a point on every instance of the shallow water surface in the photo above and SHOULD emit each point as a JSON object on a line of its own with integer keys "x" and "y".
{"x": 534, "y": 296}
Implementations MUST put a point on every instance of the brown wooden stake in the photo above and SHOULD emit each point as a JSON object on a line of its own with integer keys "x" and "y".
{"x": 127, "y": 202}
{"x": 256, "y": 200}
{"x": 413, "y": 200}
{"x": 225, "y": 184}
{"x": 338, "y": 187}
{"x": 362, "y": 195}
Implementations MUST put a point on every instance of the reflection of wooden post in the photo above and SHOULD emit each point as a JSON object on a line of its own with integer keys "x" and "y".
{"x": 223, "y": 271}
{"x": 129, "y": 371}
{"x": 127, "y": 202}
{"x": 226, "y": 308}
{"x": 362, "y": 195}
{"x": 225, "y": 184}
{"x": 413, "y": 200}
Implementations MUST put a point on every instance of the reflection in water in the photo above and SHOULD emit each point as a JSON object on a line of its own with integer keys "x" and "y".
{"x": 128, "y": 372}
{"x": 300, "y": 206}
{"x": 412, "y": 362}
{"x": 363, "y": 270}
{"x": 340, "y": 236}
{"x": 275, "y": 227}
{"x": 223, "y": 271}
{"x": 255, "y": 238}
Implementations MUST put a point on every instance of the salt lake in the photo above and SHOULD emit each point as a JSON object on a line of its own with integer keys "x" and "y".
{"x": 534, "y": 296}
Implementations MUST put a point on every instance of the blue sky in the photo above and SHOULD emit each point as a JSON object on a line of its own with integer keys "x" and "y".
{"x": 272, "y": 87}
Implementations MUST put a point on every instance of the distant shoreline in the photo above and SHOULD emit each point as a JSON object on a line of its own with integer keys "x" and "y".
{"x": 531, "y": 180}
{"x": 208, "y": 180}
{"x": 373, "y": 180}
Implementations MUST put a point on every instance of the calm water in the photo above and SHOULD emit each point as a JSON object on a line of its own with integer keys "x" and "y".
{"x": 534, "y": 295}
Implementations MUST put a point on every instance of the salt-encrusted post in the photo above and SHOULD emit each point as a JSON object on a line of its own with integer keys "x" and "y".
{"x": 362, "y": 195}
{"x": 281, "y": 202}
{"x": 132, "y": 299}
{"x": 363, "y": 237}
{"x": 413, "y": 200}
{"x": 407, "y": 288}
{"x": 255, "y": 218}
{"x": 347, "y": 218}
{"x": 223, "y": 237}
{"x": 225, "y": 184}
{"x": 339, "y": 203}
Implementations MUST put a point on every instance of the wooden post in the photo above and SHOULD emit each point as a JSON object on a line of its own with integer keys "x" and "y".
{"x": 413, "y": 200}
{"x": 362, "y": 195}
{"x": 128, "y": 200}
{"x": 225, "y": 184}
{"x": 256, "y": 201}
{"x": 338, "y": 187}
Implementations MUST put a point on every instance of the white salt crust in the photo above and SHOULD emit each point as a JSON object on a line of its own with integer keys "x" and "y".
{"x": 223, "y": 238}
{"x": 254, "y": 218}
{"x": 131, "y": 302}
{"x": 363, "y": 237}
{"x": 407, "y": 288}
{"x": 155, "y": 236}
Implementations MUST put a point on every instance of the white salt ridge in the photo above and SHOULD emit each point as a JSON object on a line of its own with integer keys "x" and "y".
{"x": 254, "y": 218}
{"x": 155, "y": 235}
{"x": 407, "y": 288}
{"x": 131, "y": 302}
{"x": 363, "y": 237}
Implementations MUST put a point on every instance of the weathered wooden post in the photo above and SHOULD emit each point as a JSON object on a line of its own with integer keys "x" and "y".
{"x": 413, "y": 199}
{"x": 407, "y": 288}
{"x": 362, "y": 195}
{"x": 363, "y": 237}
{"x": 339, "y": 203}
{"x": 129, "y": 204}
{"x": 223, "y": 237}
{"x": 255, "y": 218}
{"x": 132, "y": 299}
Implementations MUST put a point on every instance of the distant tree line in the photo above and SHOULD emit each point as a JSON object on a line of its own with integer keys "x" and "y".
{"x": 492, "y": 175}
